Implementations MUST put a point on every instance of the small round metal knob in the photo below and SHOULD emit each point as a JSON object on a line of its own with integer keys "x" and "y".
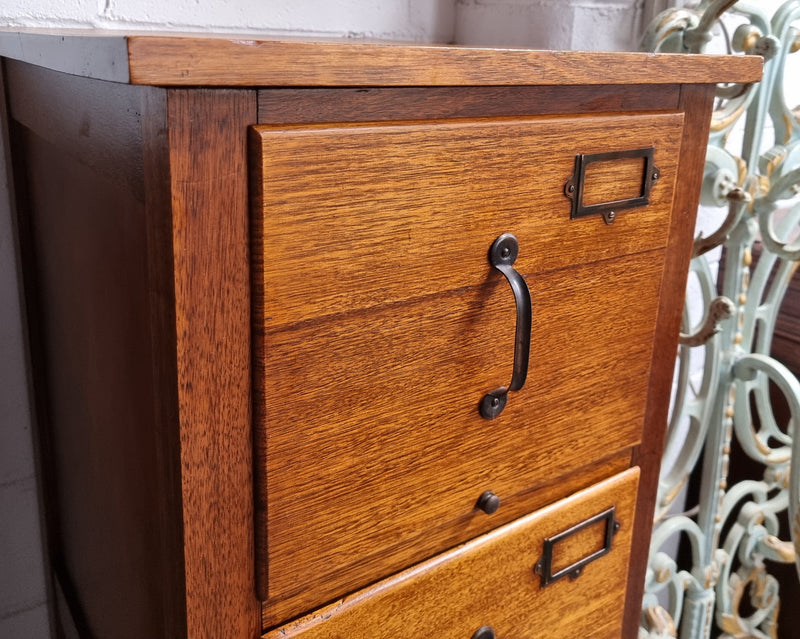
{"x": 486, "y": 632}
{"x": 488, "y": 502}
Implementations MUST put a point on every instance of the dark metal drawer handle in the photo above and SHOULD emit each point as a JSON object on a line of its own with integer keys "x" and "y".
{"x": 544, "y": 567}
{"x": 485, "y": 632}
{"x": 502, "y": 256}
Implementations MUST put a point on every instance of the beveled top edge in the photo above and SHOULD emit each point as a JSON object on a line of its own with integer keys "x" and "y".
{"x": 234, "y": 59}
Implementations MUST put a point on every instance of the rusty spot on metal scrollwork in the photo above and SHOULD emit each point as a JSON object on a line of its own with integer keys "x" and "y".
{"x": 658, "y": 621}
{"x": 720, "y": 308}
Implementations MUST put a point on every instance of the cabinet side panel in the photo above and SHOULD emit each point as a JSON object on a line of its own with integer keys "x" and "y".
{"x": 208, "y": 168}
{"x": 24, "y": 583}
{"x": 109, "y": 446}
{"x": 98, "y": 122}
{"x": 696, "y": 102}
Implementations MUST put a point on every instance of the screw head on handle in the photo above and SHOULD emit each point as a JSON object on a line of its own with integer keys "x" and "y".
{"x": 488, "y": 502}
{"x": 493, "y": 403}
{"x": 485, "y": 632}
{"x": 504, "y": 250}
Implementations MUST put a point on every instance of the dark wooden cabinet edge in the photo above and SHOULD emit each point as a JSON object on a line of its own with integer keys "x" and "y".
{"x": 68, "y": 617}
{"x": 41, "y": 443}
{"x": 697, "y": 102}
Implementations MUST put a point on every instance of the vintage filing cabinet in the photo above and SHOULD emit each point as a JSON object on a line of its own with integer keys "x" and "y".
{"x": 278, "y": 291}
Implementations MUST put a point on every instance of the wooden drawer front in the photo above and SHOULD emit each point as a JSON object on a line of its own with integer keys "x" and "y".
{"x": 491, "y": 582}
{"x": 356, "y": 216}
{"x": 371, "y": 451}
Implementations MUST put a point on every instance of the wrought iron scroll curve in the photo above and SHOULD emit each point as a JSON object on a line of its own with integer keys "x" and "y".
{"x": 733, "y": 530}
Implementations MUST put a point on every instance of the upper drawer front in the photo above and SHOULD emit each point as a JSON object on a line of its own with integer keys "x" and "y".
{"x": 493, "y": 580}
{"x": 379, "y": 325}
{"x": 356, "y": 216}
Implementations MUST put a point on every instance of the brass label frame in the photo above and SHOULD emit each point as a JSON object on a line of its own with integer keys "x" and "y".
{"x": 574, "y": 188}
{"x": 544, "y": 566}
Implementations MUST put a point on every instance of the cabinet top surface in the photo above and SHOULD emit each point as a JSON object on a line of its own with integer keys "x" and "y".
{"x": 182, "y": 59}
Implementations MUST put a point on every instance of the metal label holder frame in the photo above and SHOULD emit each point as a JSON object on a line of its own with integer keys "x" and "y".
{"x": 574, "y": 188}
{"x": 544, "y": 567}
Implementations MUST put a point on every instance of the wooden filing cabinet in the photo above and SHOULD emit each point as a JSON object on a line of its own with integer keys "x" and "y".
{"x": 277, "y": 291}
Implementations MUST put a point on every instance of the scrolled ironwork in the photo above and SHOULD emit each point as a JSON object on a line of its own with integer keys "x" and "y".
{"x": 726, "y": 377}
{"x": 738, "y": 200}
{"x": 721, "y": 308}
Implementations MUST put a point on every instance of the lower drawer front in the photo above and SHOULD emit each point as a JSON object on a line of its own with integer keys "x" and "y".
{"x": 498, "y": 580}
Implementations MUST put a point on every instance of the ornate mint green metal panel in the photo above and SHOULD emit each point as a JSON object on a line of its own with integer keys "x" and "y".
{"x": 734, "y": 528}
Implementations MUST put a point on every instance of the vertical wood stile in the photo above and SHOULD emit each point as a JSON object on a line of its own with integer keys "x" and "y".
{"x": 208, "y": 166}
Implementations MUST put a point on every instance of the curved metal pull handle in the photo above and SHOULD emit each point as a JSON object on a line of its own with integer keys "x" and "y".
{"x": 502, "y": 256}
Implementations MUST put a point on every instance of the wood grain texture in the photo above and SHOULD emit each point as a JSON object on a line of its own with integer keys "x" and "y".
{"x": 539, "y": 496}
{"x": 161, "y": 302}
{"x": 374, "y": 449}
{"x": 613, "y": 180}
{"x": 371, "y": 215}
{"x": 97, "y": 123}
{"x": 244, "y": 61}
{"x": 697, "y": 103}
{"x": 490, "y": 582}
{"x": 280, "y": 106}
{"x": 108, "y": 450}
{"x": 208, "y": 173}
{"x": 373, "y": 222}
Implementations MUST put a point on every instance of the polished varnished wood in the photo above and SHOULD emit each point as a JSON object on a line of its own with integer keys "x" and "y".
{"x": 208, "y": 186}
{"x": 382, "y": 459}
{"x": 247, "y": 61}
{"x": 274, "y": 612}
{"x": 694, "y": 99}
{"x": 242, "y": 60}
{"x": 101, "y": 129}
{"x": 610, "y": 181}
{"x": 392, "y": 296}
{"x": 371, "y": 215}
{"x": 281, "y": 106}
{"x": 491, "y": 582}
{"x": 88, "y": 281}
{"x": 161, "y": 302}
{"x": 377, "y": 322}
{"x": 123, "y": 366}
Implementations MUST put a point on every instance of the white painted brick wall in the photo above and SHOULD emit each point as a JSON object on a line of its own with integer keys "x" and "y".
{"x": 585, "y": 25}
{"x": 413, "y": 20}
{"x": 553, "y": 24}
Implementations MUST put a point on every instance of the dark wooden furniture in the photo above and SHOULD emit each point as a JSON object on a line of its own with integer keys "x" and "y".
{"x": 263, "y": 319}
